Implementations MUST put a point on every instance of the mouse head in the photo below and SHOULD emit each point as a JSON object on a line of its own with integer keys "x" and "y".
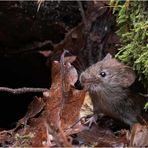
{"x": 108, "y": 72}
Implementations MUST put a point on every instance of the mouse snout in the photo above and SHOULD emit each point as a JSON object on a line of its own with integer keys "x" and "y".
{"x": 82, "y": 79}
{"x": 85, "y": 78}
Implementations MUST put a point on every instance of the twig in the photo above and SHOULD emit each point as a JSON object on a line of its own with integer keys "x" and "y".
{"x": 18, "y": 91}
{"x": 82, "y": 13}
{"x": 63, "y": 78}
{"x": 37, "y": 46}
{"x": 144, "y": 95}
{"x": 39, "y": 2}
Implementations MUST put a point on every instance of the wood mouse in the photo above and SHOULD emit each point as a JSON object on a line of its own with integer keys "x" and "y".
{"x": 108, "y": 83}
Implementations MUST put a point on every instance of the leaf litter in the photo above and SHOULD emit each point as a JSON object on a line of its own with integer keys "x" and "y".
{"x": 54, "y": 120}
{"x": 58, "y": 122}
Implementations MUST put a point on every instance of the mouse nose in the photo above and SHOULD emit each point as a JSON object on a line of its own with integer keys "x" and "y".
{"x": 82, "y": 79}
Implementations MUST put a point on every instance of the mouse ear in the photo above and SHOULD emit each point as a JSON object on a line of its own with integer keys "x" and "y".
{"x": 128, "y": 76}
{"x": 107, "y": 57}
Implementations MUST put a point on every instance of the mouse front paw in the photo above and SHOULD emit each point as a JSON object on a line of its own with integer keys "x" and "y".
{"x": 91, "y": 120}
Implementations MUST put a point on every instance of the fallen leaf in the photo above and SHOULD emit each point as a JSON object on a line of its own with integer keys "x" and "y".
{"x": 55, "y": 95}
{"x": 139, "y": 135}
{"x": 40, "y": 133}
{"x": 64, "y": 102}
{"x": 72, "y": 107}
{"x": 35, "y": 107}
{"x": 87, "y": 107}
{"x": 99, "y": 137}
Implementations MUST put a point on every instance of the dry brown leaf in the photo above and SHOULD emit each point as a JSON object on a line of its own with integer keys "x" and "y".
{"x": 63, "y": 105}
{"x": 99, "y": 137}
{"x": 71, "y": 109}
{"x": 70, "y": 59}
{"x": 73, "y": 41}
{"x": 54, "y": 99}
{"x": 46, "y": 134}
{"x": 6, "y": 139}
{"x": 139, "y": 135}
{"x": 40, "y": 133}
{"x": 87, "y": 107}
{"x": 35, "y": 107}
{"x": 35, "y": 135}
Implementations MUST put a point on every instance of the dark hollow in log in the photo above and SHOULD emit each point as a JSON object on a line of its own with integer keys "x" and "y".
{"x": 27, "y": 70}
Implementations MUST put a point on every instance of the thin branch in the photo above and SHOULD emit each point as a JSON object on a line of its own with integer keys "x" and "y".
{"x": 82, "y": 13}
{"x": 144, "y": 95}
{"x": 62, "y": 72}
{"x": 18, "y": 91}
{"x": 37, "y": 46}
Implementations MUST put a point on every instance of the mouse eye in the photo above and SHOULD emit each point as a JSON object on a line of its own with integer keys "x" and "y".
{"x": 102, "y": 74}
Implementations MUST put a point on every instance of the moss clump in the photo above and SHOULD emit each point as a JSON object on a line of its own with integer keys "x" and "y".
{"x": 132, "y": 22}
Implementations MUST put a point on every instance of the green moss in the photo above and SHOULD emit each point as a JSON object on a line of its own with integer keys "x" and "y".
{"x": 132, "y": 23}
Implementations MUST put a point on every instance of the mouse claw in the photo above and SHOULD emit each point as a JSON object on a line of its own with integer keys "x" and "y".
{"x": 92, "y": 120}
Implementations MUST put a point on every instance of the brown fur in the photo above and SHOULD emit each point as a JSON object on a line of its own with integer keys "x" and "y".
{"x": 111, "y": 94}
